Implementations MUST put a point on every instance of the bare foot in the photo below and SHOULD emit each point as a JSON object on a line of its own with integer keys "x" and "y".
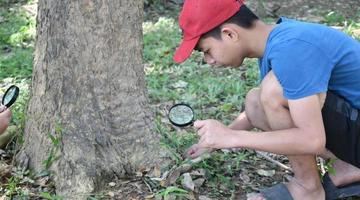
{"x": 345, "y": 173}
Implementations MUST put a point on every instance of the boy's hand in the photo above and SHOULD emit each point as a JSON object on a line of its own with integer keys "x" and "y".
{"x": 213, "y": 134}
{"x": 5, "y": 117}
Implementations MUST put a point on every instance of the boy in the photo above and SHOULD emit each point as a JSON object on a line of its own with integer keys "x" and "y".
{"x": 308, "y": 101}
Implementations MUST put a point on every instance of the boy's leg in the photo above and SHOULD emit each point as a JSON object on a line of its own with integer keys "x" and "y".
{"x": 306, "y": 183}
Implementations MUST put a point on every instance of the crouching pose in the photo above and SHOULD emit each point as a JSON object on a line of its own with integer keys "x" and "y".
{"x": 307, "y": 103}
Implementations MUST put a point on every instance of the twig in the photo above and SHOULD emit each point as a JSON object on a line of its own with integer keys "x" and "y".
{"x": 147, "y": 184}
{"x": 273, "y": 161}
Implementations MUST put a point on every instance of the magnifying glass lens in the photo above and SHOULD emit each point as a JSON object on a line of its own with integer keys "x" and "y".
{"x": 181, "y": 115}
{"x": 9, "y": 95}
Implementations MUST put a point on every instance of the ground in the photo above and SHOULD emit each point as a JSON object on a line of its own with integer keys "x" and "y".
{"x": 307, "y": 9}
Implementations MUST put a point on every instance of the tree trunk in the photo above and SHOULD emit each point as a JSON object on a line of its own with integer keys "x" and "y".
{"x": 88, "y": 116}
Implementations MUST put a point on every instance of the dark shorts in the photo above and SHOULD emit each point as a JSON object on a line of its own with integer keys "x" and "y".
{"x": 342, "y": 127}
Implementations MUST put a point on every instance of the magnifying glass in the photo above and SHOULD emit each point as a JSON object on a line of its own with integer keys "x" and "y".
{"x": 181, "y": 115}
{"x": 10, "y": 96}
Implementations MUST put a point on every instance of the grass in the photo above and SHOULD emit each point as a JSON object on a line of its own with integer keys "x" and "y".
{"x": 17, "y": 34}
{"x": 213, "y": 93}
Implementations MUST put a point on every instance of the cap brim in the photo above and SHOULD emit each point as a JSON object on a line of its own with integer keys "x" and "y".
{"x": 185, "y": 49}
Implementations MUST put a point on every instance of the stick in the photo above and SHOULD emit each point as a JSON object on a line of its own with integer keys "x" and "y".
{"x": 273, "y": 161}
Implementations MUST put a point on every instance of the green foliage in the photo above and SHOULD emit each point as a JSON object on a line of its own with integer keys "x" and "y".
{"x": 328, "y": 166}
{"x": 351, "y": 28}
{"x": 160, "y": 40}
{"x": 221, "y": 168}
{"x": 56, "y": 139}
{"x": 334, "y": 18}
{"x": 158, "y": 4}
{"x": 13, "y": 186}
{"x": 17, "y": 32}
{"x": 176, "y": 144}
{"x": 7, "y": 3}
{"x": 49, "y": 196}
{"x": 173, "y": 191}
{"x": 155, "y": 9}
{"x": 17, "y": 63}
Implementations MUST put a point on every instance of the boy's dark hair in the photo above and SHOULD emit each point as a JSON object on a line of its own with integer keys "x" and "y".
{"x": 244, "y": 18}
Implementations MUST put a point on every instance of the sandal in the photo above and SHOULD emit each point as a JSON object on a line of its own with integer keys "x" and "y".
{"x": 332, "y": 192}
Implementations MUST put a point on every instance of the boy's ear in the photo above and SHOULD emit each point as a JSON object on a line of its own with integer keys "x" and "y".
{"x": 229, "y": 32}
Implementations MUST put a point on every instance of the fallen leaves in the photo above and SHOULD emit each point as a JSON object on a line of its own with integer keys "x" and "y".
{"x": 268, "y": 173}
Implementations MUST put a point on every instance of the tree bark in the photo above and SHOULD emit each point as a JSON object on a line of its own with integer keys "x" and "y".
{"x": 88, "y": 92}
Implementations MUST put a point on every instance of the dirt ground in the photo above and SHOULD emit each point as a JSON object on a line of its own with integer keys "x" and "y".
{"x": 305, "y": 9}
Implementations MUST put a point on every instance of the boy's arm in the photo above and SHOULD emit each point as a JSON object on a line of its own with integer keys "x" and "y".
{"x": 307, "y": 137}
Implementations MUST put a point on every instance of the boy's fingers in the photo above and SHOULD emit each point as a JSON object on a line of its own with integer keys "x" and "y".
{"x": 195, "y": 151}
{"x": 2, "y": 108}
{"x": 198, "y": 124}
{"x": 195, "y": 154}
{"x": 201, "y": 143}
{"x": 192, "y": 149}
{"x": 201, "y": 131}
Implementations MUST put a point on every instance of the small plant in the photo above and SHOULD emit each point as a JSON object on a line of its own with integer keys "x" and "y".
{"x": 48, "y": 196}
{"x": 12, "y": 187}
{"x": 334, "y": 18}
{"x": 171, "y": 191}
{"x": 56, "y": 143}
{"x": 328, "y": 166}
{"x": 174, "y": 143}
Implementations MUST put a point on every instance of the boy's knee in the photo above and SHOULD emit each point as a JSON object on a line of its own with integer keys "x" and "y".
{"x": 253, "y": 107}
{"x": 252, "y": 98}
{"x": 254, "y": 110}
{"x": 271, "y": 92}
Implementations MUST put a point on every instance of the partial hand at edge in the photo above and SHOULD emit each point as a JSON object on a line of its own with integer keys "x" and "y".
{"x": 195, "y": 151}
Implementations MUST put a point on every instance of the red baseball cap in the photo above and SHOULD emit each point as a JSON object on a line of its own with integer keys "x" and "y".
{"x": 200, "y": 16}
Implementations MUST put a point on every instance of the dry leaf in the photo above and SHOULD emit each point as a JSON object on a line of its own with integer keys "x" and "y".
{"x": 265, "y": 172}
{"x": 187, "y": 182}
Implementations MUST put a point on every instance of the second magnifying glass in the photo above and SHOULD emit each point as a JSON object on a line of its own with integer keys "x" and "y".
{"x": 10, "y": 96}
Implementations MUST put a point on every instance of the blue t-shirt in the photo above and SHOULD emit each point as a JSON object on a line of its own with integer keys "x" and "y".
{"x": 311, "y": 58}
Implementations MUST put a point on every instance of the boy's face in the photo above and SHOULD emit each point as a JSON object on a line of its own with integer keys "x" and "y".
{"x": 221, "y": 52}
